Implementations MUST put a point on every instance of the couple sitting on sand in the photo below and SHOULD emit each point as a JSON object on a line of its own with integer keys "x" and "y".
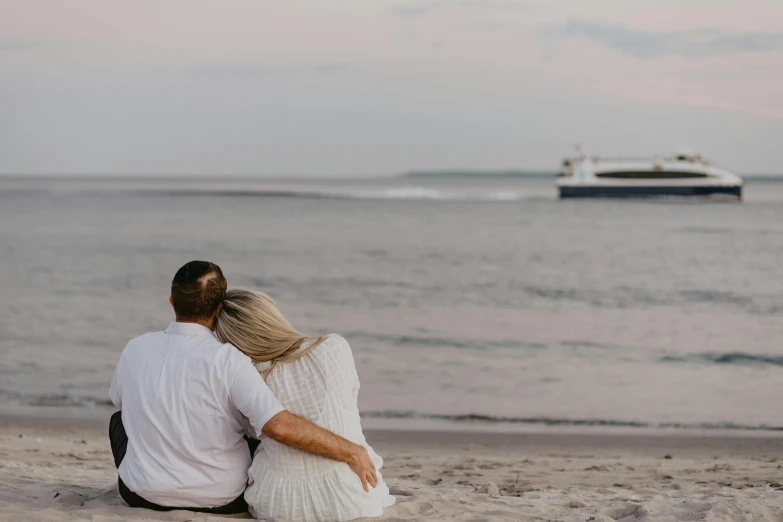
{"x": 196, "y": 399}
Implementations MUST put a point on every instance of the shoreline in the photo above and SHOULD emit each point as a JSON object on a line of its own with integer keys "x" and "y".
{"x": 598, "y": 439}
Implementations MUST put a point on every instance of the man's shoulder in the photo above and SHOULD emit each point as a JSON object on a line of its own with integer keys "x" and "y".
{"x": 145, "y": 340}
{"x": 232, "y": 353}
{"x": 227, "y": 353}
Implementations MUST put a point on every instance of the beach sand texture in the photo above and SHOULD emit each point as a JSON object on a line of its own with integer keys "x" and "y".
{"x": 52, "y": 473}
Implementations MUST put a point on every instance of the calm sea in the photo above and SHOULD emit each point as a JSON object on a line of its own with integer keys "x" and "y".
{"x": 468, "y": 302}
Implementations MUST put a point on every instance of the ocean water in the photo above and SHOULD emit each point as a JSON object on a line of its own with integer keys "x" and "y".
{"x": 468, "y": 302}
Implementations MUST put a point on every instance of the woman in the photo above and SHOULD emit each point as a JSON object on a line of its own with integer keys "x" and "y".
{"x": 315, "y": 379}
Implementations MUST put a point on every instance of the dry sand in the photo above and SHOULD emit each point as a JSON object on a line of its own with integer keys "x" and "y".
{"x": 50, "y": 471}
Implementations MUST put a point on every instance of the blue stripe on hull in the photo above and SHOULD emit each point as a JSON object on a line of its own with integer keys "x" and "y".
{"x": 641, "y": 192}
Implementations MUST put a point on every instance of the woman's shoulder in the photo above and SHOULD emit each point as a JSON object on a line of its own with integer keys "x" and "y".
{"x": 333, "y": 347}
{"x": 335, "y": 339}
{"x": 331, "y": 342}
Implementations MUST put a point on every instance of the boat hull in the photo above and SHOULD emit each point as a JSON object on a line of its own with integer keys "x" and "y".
{"x": 598, "y": 191}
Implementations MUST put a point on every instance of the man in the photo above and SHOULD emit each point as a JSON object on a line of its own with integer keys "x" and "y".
{"x": 185, "y": 399}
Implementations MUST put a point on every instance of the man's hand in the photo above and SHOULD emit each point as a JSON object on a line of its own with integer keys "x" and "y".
{"x": 362, "y": 465}
{"x": 296, "y": 432}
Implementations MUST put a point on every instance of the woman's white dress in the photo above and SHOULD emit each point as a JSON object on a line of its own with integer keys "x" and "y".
{"x": 289, "y": 484}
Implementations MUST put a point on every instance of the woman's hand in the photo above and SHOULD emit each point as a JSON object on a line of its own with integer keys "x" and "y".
{"x": 363, "y": 466}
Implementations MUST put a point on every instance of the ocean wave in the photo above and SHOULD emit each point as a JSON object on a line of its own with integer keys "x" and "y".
{"x": 738, "y": 358}
{"x": 440, "y": 342}
{"x": 554, "y": 421}
{"x": 707, "y": 230}
{"x": 55, "y": 400}
{"x": 624, "y": 297}
{"x": 714, "y": 296}
{"x": 61, "y": 401}
{"x": 617, "y": 298}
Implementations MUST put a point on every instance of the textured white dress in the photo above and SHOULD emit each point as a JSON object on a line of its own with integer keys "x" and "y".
{"x": 289, "y": 484}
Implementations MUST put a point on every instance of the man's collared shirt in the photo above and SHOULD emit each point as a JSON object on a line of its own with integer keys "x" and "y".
{"x": 184, "y": 397}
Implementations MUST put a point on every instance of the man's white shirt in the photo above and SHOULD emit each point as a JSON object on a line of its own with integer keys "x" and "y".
{"x": 184, "y": 397}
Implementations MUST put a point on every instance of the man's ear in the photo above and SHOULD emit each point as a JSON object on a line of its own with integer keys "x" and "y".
{"x": 171, "y": 301}
{"x": 217, "y": 313}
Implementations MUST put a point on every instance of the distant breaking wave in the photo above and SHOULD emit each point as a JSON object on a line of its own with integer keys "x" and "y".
{"x": 550, "y": 421}
{"x": 442, "y": 342}
{"x": 726, "y": 358}
{"x": 55, "y": 400}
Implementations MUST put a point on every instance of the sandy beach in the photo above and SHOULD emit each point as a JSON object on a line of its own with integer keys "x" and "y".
{"x": 52, "y": 470}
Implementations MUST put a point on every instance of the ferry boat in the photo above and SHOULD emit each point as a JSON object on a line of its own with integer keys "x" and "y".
{"x": 685, "y": 173}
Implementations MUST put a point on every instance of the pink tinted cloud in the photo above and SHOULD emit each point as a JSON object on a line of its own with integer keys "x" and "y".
{"x": 738, "y": 16}
{"x": 725, "y": 56}
{"x": 742, "y": 84}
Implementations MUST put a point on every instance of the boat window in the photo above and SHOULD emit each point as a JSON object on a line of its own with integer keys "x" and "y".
{"x": 650, "y": 174}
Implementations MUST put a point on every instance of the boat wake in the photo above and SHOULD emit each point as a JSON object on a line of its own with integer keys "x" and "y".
{"x": 398, "y": 193}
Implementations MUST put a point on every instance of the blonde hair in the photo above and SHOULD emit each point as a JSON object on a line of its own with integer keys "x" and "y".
{"x": 253, "y": 322}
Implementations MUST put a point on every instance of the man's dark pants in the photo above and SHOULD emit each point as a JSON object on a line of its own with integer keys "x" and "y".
{"x": 119, "y": 444}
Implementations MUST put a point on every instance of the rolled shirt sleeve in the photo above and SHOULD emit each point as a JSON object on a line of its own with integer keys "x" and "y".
{"x": 253, "y": 398}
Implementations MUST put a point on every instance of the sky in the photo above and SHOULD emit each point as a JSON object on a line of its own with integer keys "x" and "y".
{"x": 375, "y": 87}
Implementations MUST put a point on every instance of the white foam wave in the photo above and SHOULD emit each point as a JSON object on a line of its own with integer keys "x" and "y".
{"x": 394, "y": 193}
{"x": 503, "y": 196}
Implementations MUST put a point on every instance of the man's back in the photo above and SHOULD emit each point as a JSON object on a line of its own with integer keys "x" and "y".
{"x": 183, "y": 395}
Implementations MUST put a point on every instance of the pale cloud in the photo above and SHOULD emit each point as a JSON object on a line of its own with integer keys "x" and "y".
{"x": 701, "y": 91}
{"x": 692, "y": 43}
{"x": 414, "y": 8}
{"x": 247, "y": 71}
{"x": 488, "y": 26}
{"x": 10, "y": 45}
